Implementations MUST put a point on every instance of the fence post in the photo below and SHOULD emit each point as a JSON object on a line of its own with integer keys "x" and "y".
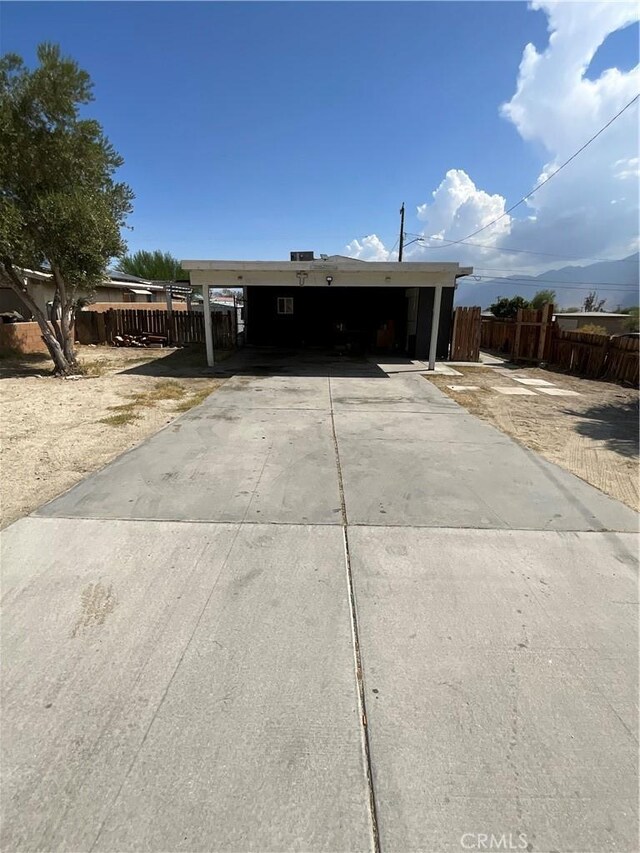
{"x": 516, "y": 342}
{"x": 453, "y": 350}
{"x": 547, "y": 312}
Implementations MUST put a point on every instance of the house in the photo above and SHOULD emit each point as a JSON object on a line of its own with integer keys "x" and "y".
{"x": 118, "y": 288}
{"x": 338, "y": 303}
{"x": 575, "y": 320}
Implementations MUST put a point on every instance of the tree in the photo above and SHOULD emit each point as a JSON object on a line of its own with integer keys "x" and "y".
{"x": 60, "y": 207}
{"x": 507, "y": 308}
{"x": 543, "y": 297}
{"x": 592, "y": 303}
{"x": 154, "y": 266}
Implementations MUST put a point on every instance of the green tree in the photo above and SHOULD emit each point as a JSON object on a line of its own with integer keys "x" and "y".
{"x": 60, "y": 206}
{"x": 543, "y": 297}
{"x": 593, "y": 303}
{"x": 506, "y": 308}
{"x": 154, "y": 266}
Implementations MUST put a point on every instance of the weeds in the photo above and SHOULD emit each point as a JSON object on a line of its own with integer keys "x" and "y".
{"x": 121, "y": 419}
{"x": 94, "y": 367}
{"x": 194, "y": 399}
{"x": 128, "y": 412}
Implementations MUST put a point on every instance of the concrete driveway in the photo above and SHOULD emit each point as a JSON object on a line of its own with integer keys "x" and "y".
{"x": 326, "y": 610}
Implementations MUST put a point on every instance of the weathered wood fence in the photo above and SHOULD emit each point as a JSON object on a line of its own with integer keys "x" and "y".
{"x": 180, "y": 327}
{"x": 596, "y": 356}
{"x": 534, "y": 337}
{"x": 465, "y": 335}
{"x": 527, "y": 338}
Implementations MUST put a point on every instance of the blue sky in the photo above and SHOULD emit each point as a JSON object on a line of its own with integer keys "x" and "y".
{"x": 250, "y": 129}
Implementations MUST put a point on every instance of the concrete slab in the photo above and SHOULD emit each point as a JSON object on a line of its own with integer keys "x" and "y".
{"x": 420, "y": 429}
{"x": 559, "y": 392}
{"x": 179, "y": 687}
{"x": 219, "y": 464}
{"x": 273, "y": 392}
{"x": 538, "y": 383}
{"x": 402, "y": 393}
{"x": 513, "y": 392}
{"x": 473, "y": 477}
{"x": 501, "y": 683}
{"x": 464, "y": 388}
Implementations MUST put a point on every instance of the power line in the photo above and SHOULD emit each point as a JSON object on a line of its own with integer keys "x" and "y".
{"x": 421, "y": 237}
{"x": 559, "y": 285}
{"x": 552, "y": 175}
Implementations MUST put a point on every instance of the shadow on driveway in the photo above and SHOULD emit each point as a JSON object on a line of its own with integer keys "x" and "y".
{"x": 264, "y": 361}
{"x": 615, "y": 424}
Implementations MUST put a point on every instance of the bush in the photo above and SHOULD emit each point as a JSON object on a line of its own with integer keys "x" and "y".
{"x": 592, "y": 329}
{"x": 507, "y": 309}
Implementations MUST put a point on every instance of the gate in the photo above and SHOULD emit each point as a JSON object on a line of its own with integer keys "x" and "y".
{"x": 465, "y": 336}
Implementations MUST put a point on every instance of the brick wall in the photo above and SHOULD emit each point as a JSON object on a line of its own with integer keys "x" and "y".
{"x": 22, "y": 337}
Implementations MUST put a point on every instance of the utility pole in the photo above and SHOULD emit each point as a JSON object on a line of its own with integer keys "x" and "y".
{"x": 401, "y": 232}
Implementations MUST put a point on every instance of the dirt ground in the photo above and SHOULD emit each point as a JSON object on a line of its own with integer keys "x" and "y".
{"x": 595, "y": 435}
{"x": 53, "y": 432}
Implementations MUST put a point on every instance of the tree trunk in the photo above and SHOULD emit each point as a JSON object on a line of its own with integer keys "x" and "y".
{"x": 68, "y": 333}
{"x": 65, "y": 298}
{"x": 10, "y": 276}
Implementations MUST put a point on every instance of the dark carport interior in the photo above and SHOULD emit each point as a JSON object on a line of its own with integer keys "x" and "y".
{"x": 353, "y": 319}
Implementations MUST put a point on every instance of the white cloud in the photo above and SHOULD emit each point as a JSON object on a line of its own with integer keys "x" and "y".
{"x": 369, "y": 248}
{"x": 557, "y": 108}
{"x": 459, "y": 207}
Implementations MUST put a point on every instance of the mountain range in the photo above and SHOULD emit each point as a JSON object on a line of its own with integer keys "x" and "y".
{"x": 617, "y": 281}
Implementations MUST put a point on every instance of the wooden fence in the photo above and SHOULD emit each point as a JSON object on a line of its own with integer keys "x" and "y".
{"x": 180, "y": 327}
{"x": 596, "y": 356}
{"x": 498, "y": 335}
{"x": 527, "y": 338}
{"x": 533, "y": 337}
{"x": 465, "y": 336}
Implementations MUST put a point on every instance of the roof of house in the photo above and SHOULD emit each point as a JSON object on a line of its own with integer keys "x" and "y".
{"x": 117, "y": 275}
{"x": 598, "y": 314}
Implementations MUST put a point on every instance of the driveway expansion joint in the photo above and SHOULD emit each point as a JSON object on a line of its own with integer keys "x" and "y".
{"x": 357, "y": 656}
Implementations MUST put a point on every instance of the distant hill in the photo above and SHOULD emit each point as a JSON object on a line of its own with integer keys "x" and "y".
{"x": 623, "y": 272}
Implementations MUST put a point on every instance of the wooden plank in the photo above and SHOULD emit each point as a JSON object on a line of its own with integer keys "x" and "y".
{"x": 547, "y": 313}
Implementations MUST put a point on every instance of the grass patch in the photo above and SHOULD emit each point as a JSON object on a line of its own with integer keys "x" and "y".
{"x": 167, "y": 390}
{"x": 95, "y": 367}
{"x": 124, "y": 407}
{"x": 121, "y": 419}
{"x": 193, "y": 400}
{"x": 126, "y": 413}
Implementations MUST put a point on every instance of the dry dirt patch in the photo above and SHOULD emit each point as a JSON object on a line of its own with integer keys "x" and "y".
{"x": 595, "y": 435}
{"x": 56, "y": 431}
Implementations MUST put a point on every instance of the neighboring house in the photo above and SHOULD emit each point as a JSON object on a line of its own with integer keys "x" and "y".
{"x": 339, "y": 303}
{"x": 118, "y": 289}
{"x": 575, "y": 320}
{"x": 39, "y": 285}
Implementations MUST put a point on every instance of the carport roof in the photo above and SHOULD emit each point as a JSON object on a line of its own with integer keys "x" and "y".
{"x": 334, "y": 263}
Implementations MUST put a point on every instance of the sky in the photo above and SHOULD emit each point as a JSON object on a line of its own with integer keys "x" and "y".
{"x": 250, "y": 130}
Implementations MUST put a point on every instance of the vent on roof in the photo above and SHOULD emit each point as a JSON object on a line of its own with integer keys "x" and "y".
{"x": 302, "y": 256}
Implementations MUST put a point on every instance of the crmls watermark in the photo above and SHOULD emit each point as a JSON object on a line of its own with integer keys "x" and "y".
{"x": 491, "y": 841}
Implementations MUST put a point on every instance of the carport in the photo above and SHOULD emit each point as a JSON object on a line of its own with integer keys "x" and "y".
{"x": 339, "y": 303}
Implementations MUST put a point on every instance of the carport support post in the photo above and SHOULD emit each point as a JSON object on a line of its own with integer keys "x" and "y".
{"x": 435, "y": 325}
{"x": 208, "y": 328}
